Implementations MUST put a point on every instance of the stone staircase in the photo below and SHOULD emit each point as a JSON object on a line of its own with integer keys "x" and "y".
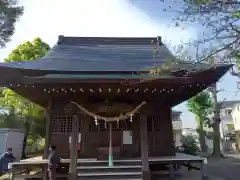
{"x": 121, "y": 170}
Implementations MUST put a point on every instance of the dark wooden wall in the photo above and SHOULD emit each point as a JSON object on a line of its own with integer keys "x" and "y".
{"x": 160, "y": 133}
{"x": 159, "y": 125}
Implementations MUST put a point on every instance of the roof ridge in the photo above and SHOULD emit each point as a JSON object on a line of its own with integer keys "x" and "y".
{"x": 69, "y": 40}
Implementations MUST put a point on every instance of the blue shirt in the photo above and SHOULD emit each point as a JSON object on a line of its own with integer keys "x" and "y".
{"x": 53, "y": 159}
{"x": 5, "y": 158}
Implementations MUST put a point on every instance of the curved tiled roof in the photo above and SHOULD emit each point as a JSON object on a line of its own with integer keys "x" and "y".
{"x": 79, "y": 54}
{"x": 99, "y": 54}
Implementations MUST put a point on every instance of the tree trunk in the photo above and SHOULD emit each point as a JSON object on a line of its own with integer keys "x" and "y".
{"x": 216, "y": 140}
{"x": 26, "y": 127}
{"x": 201, "y": 134}
{"x": 237, "y": 142}
{"x": 216, "y": 123}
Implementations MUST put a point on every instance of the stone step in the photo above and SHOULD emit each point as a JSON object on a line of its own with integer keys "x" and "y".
{"x": 80, "y": 178}
{"x": 105, "y": 163}
{"x": 110, "y": 175}
{"x": 99, "y": 169}
{"x": 115, "y": 178}
{"x": 126, "y": 168}
{"x": 107, "y": 167}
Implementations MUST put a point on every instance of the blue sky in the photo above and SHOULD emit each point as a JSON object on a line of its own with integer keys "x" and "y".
{"x": 49, "y": 18}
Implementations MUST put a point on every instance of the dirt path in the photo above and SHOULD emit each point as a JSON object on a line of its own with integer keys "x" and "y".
{"x": 223, "y": 169}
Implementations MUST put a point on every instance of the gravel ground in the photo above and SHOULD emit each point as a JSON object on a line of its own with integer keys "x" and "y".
{"x": 228, "y": 169}
{"x": 223, "y": 169}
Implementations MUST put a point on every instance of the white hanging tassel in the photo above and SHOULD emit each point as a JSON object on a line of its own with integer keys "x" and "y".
{"x": 105, "y": 124}
{"x": 118, "y": 123}
{"x": 96, "y": 120}
{"x": 131, "y": 116}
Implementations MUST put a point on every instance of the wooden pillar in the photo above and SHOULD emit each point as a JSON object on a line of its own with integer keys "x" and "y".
{"x": 73, "y": 149}
{"x": 84, "y": 130}
{"x": 48, "y": 130}
{"x": 135, "y": 136}
{"x": 47, "y": 137}
{"x": 144, "y": 148}
{"x": 110, "y": 153}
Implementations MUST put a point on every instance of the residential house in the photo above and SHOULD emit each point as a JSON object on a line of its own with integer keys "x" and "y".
{"x": 230, "y": 122}
{"x": 177, "y": 127}
{"x": 229, "y": 113}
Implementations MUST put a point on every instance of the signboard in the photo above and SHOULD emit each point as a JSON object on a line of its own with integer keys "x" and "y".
{"x": 127, "y": 137}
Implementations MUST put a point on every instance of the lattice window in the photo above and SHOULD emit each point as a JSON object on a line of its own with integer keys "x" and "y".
{"x": 68, "y": 120}
{"x": 103, "y": 127}
{"x": 62, "y": 124}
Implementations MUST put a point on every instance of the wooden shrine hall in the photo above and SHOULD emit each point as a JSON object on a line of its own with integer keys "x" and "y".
{"x": 109, "y": 98}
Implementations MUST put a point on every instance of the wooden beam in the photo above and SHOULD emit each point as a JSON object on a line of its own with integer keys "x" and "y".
{"x": 144, "y": 147}
{"x": 74, "y": 145}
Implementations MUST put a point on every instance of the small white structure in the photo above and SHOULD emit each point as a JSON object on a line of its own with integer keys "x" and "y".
{"x": 12, "y": 138}
{"x": 236, "y": 116}
{"x": 177, "y": 127}
{"x": 228, "y": 111}
{"x": 230, "y": 124}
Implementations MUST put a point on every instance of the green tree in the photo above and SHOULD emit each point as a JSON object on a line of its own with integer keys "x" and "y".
{"x": 216, "y": 21}
{"x": 189, "y": 145}
{"x": 31, "y": 112}
{"x": 10, "y": 11}
{"x": 8, "y": 118}
{"x": 201, "y": 106}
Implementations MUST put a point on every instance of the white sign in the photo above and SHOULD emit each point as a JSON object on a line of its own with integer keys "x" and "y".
{"x": 127, "y": 137}
{"x": 79, "y": 138}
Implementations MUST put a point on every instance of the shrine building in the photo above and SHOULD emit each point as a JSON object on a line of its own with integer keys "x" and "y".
{"x": 109, "y": 98}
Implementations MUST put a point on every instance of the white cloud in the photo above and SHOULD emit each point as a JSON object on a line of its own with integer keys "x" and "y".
{"x": 49, "y": 18}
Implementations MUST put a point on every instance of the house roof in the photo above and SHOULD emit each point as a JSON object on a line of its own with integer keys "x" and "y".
{"x": 176, "y": 112}
{"x": 98, "y": 54}
{"x": 93, "y": 62}
{"x": 228, "y": 104}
